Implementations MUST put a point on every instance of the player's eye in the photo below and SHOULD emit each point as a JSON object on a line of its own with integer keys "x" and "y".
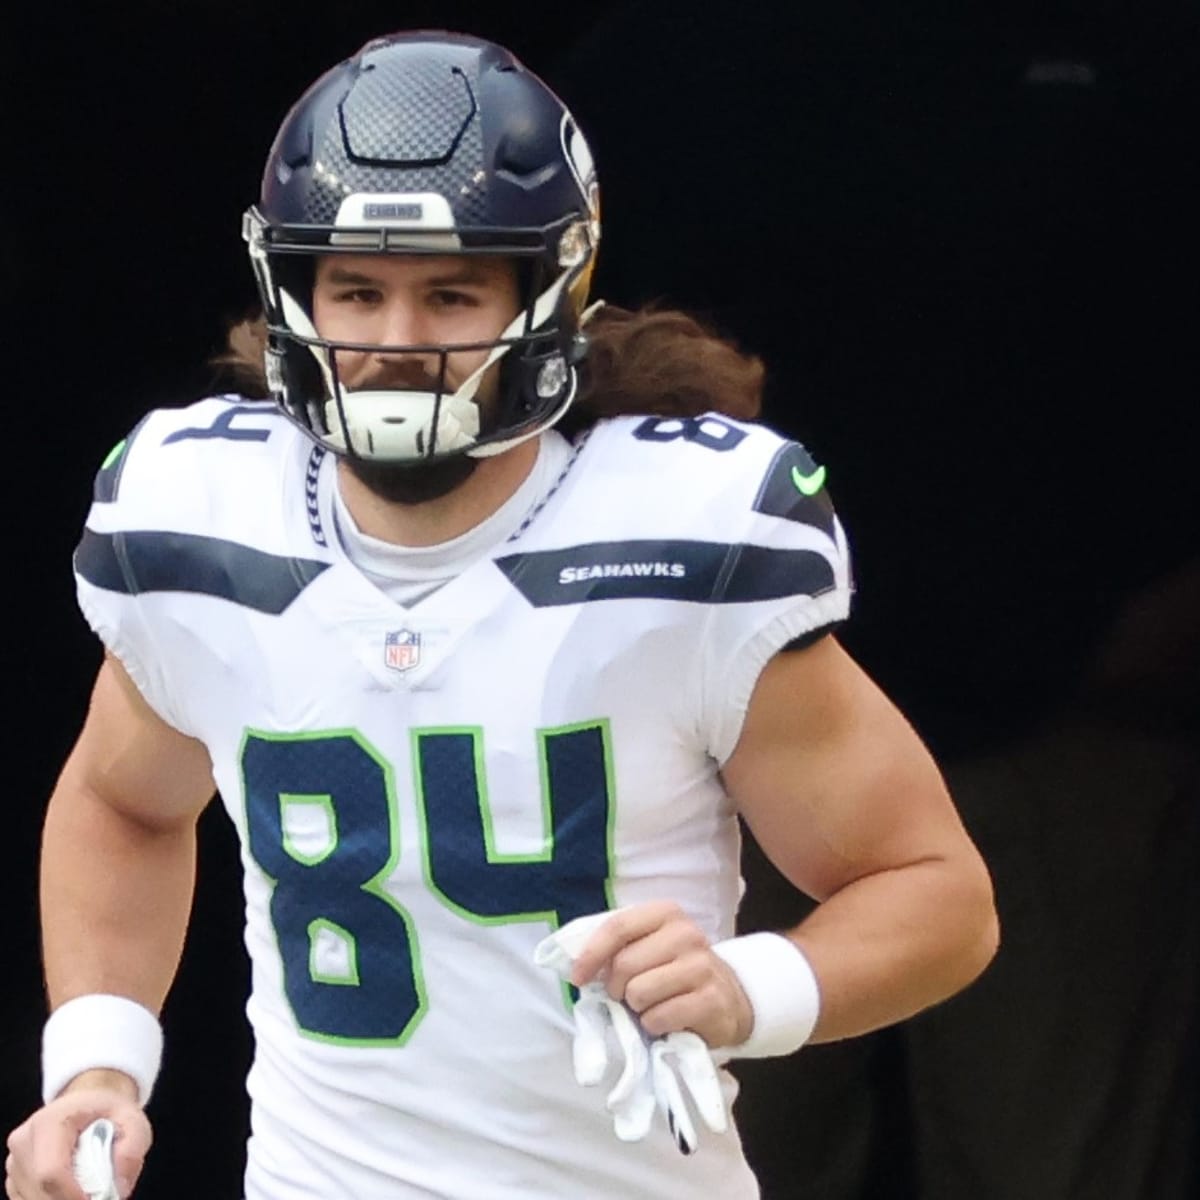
{"x": 358, "y": 295}
{"x": 452, "y": 298}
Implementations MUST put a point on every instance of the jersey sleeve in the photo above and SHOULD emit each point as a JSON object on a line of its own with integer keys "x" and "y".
{"x": 106, "y": 583}
{"x": 169, "y": 505}
{"x": 787, "y": 576}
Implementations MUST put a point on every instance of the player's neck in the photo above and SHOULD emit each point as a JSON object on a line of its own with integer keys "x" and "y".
{"x": 431, "y": 522}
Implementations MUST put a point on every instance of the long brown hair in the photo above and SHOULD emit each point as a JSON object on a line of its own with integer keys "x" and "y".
{"x": 652, "y": 361}
{"x": 663, "y": 362}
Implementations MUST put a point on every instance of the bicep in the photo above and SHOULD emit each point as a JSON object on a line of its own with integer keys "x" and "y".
{"x": 831, "y": 778}
{"x": 127, "y": 756}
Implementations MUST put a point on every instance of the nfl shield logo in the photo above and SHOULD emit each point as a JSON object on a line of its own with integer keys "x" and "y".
{"x": 402, "y": 650}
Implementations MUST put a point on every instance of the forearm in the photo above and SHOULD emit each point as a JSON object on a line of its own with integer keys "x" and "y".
{"x": 893, "y": 943}
{"x": 115, "y": 899}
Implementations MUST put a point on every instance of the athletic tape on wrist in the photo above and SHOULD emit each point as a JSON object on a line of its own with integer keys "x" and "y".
{"x": 100, "y": 1032}
{"x": 782, "y": 990}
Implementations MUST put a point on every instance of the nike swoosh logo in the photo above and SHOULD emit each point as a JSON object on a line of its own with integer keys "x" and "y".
{"x": 808, "y": 485}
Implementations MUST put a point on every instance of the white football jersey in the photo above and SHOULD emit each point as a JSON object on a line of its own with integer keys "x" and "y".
{"x": 423, "y": 793}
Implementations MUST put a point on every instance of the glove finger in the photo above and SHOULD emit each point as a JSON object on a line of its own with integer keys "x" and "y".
{"x": 670, "y": 1099}
{"x": 634, "y": 1114}
{"x": 699, "y": 1073}
{"x": 549, "y": 952}
{"x": 561, "y": 948}
{"x": 589, "y": 1050}
{"x": 633, "y": 1046}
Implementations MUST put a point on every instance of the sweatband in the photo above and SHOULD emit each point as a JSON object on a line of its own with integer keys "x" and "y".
{"x": 100, "y": 1032}
{"x": 782, "y": 990}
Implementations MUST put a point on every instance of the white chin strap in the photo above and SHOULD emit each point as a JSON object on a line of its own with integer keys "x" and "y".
{"x": 394, "y": 424}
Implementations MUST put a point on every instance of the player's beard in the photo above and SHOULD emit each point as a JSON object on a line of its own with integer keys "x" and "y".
{"x": 412, "y": 484}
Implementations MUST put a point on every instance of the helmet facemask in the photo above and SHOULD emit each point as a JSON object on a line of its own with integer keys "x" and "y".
{"x": 533, "y": 359}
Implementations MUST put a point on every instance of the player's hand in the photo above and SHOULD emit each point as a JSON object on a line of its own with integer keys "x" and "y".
{"x": 659, "y": 962}
{"x": 40, "y": 1151}
{"x": 673, "y": 1074}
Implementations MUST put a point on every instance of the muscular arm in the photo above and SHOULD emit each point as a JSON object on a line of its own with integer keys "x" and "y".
{"x": 846, "y": 801}
{"x": 118, "y": 859}
{"x": 118, "y": 850}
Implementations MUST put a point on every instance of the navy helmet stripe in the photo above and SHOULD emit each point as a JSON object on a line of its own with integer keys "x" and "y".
{"x": 700, "y": 572}
{"x": 147, "y": 561}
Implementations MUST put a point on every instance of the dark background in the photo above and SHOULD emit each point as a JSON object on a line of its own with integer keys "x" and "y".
{"x": 964, "y": 242}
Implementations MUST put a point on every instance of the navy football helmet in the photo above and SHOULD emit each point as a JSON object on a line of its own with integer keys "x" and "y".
{"x": 427, "y": 143}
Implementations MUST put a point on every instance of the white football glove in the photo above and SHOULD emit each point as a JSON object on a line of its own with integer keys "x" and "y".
{"x": 631, "y": 1100}
{"x": 685, "y": 1056}
{"x": 92, "y": 1161}
{"x": 652, "y": 1069}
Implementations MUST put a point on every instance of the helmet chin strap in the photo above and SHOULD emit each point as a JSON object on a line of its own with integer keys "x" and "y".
{"x": 396, "y": 423}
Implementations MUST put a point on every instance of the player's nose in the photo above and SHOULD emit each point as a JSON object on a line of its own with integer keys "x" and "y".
{"x": 401, "y": 333}
{"x": 400, "y": 326}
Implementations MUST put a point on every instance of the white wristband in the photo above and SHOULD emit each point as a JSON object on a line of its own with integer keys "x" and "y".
{"x": 782, "y": 990}
{"x": 100, "y": 1032}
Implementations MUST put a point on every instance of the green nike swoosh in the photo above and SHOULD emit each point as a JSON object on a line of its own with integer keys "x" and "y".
{"x": 114, "y": 454}
{"x": 808, "y": 485}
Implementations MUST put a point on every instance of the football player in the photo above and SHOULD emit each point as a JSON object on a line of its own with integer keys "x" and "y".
{"x": 488, "y": 615}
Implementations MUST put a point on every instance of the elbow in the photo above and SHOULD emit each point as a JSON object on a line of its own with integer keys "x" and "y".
{"x": 980, "y": 923}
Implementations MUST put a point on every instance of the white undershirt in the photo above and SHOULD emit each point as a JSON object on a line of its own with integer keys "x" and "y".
{"x": 406, "y": 574}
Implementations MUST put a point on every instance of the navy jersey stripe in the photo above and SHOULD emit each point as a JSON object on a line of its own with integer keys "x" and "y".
{"x": 147, "y": 561}
{"x": 780, "y": 496}
{"x": 701, "y": 572}
{"x": 108, "y": 478}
